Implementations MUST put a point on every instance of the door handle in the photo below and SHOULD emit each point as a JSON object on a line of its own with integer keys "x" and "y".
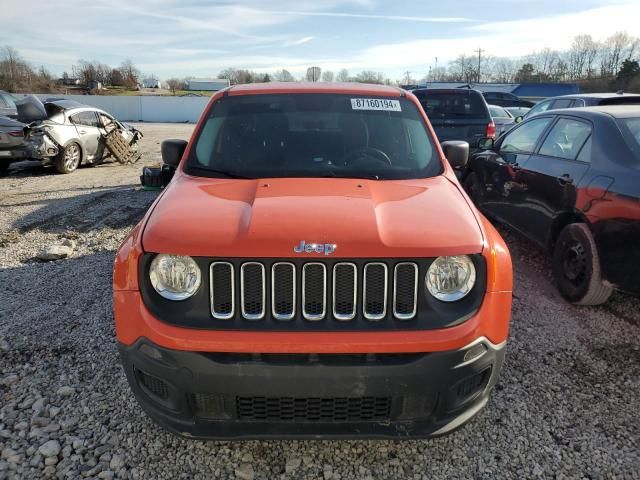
{"x": 515, "y": 167}
{"x": 82, "y": 132}
{"x": 565, "y": 179}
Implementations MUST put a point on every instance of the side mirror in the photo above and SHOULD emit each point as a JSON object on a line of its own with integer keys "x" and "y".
{"x": 486, "y": 143}
{"x": 518, "y": 119}
{"x": 172, "y": 151}
{"x": 457, "y": 152}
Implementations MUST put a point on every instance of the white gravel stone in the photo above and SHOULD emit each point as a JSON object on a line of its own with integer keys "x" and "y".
{"x": 50, "y": 448}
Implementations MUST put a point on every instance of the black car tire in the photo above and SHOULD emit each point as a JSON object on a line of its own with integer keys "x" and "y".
{"x": 473, "y": 187}
{"x": 4, "y": 166}
{"x": 69, "y": 158}
{"x": 576, "y": 267}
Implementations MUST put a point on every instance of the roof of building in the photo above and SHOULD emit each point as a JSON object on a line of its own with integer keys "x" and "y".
{"x": 544, "y": 90}
{"x": 208, "y": 80}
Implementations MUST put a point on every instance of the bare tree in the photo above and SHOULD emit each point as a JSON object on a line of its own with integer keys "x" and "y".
{"x": 615, "y": 49}
{"x": 130, "y": 74}
{"x": 313, "y": 74}
{"x": 175, "y": 84}
{"x": 343, "y": 75}
{"x": 327, "y": 76}
{"x": 369, "y": 76}
{"x": 283, "y": 76}
{"x": 504, "y": 70}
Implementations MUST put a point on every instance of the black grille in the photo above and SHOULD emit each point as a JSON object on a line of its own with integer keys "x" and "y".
{"x": 329, "y": 410}
{"x": 253, "y": 290}
{"x": 208, "y": 405}
{"x": 375, "y": 291}
{"x": 153, "y": 385}
{"x": 283, "y": 291}
{"x": 344, "y": 291}
{"x": 314, "y": 284}
{"x": 222, "y": 295}
{"x": 405, "y": 290}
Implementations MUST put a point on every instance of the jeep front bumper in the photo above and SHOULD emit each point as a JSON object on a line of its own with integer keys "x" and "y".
{"x": 260, "y": 396}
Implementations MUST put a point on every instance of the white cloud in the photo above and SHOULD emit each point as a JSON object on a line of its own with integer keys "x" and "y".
{"x": 300, "y": 41}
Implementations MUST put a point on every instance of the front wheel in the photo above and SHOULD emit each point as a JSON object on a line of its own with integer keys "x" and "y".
{"x": 576, "y": 267}
{"x": 68, "y": 159}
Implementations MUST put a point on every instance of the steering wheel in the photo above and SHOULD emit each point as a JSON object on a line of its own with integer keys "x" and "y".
{"x": 371, "y": 152}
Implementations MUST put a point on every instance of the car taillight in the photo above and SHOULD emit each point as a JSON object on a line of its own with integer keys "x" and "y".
{"x": 16, "y": 133}
{"x": 491, "y": 130}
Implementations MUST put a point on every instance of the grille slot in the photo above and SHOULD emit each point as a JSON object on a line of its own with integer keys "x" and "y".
{"x": 314, "y": 291}
{"x": 374, "y": 295}
{"x": 405, "y": 290}
{"x": 345, "y": 287}
{"x": 313, "y": 409}
{"x": 252, "y": 291}
{"x": 222, "y": 290}
{"x": 283, "y": 290}
{"x": 154, "y": 385}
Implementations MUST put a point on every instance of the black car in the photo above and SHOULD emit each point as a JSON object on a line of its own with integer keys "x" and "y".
{"x": 570, "y": 181}
{"x": 504, "y": 99}
{"x": 457, "y": 114}
{"x": 583, "y": 100}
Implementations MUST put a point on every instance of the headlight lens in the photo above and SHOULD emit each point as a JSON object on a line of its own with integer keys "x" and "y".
{"x": 451, "y": 278}
{"x": 174, "y": 277}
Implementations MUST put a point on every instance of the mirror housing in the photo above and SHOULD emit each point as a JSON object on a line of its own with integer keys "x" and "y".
{"x": 486, "y": 143}
{"x": 457, "y": 152}
{"x": 172, "y": 151}
{"x": 518, "y": 119}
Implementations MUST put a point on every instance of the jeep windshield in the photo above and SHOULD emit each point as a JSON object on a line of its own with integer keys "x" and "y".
{"x": 313, "y": 135}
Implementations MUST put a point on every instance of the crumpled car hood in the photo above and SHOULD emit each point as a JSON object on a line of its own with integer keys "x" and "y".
{"x": 268, "y": 217}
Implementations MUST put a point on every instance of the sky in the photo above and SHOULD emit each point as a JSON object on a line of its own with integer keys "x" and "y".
{"x": 200, "y": 38}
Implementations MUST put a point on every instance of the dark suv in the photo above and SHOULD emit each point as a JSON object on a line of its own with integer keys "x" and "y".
{"x": 457, "y": 114}
{"x": 503, "y": 99}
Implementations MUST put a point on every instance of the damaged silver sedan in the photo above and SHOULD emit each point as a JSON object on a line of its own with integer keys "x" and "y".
{"x": 67, "y": 134}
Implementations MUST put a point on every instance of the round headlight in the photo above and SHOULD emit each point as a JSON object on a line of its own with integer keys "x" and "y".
{"x": 174, "y": 277}
{"x": 451, "y": 278}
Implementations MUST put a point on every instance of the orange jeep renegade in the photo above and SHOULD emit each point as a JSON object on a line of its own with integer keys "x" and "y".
{"x": 313, "y": 269}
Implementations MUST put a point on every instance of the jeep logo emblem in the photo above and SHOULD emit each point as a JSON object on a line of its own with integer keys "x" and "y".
{"x": 304, "y": 247}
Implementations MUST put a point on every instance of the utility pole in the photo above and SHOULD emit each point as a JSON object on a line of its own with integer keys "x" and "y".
{"x": 407, "y": 76}
{"x": 479, "y": 50}
{"x": 435, "y": 75}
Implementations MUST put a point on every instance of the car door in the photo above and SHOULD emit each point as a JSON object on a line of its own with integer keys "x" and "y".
{"x": 500, "y": 171}
{"x": 551, "y": 176}
{"x": 88, "y": 132}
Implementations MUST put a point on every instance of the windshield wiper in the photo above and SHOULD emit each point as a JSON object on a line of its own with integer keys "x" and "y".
{"x": 222, "y": 173}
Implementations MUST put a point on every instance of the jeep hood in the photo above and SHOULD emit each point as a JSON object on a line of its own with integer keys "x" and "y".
{"x": 268, "y": 217}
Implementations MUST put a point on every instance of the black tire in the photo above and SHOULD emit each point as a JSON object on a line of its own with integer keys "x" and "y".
{"x": 576, "y": 267}
{"x": 68, "y": 160}
{"x": 473, "y": 187}
{"x": 4, "y": 166}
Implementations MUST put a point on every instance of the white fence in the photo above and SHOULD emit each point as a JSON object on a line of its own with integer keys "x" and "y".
{"x": 144, "y": 108}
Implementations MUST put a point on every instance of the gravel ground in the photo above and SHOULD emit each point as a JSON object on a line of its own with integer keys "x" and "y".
{"x": 566, "y": 406}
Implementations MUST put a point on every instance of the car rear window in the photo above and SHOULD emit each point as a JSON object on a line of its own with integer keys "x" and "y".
{"x": 498, "y": 112}
{"x": 630, "y": 128}
{"x": 630, "y": 100}
{"x": 314, "y": 135}
{"x": 463, "y": 104}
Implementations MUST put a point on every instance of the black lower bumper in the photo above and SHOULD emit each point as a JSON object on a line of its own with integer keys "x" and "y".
{"x": 250, "y": 396}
